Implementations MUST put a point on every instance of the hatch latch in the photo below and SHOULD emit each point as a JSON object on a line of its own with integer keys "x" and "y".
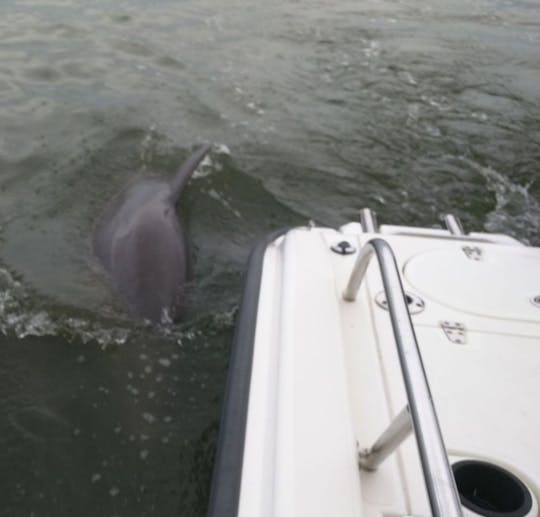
{"x": 454, "y": 331}
{"x": 472, "y": 252}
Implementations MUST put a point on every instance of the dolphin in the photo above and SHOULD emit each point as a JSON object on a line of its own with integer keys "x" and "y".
{"x": 142, "y": 244}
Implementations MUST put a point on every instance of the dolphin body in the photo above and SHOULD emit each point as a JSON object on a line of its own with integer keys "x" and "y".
{"x": 142, "y": 245}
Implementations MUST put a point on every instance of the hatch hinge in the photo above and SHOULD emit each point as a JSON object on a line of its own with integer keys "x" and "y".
{"x": 472, "y": 252}
{"x": 454, "y": 331}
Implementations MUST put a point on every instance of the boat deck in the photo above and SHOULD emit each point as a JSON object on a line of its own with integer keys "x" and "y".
{"x": 326, "y": 379}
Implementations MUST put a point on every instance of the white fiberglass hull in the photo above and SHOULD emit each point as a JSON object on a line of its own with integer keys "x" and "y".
{"x": 315, "y": 379}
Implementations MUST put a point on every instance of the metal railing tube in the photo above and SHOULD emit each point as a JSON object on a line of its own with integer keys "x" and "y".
{"x": 438, "y": 477}
{"x": 453, "y": 224}
{"x": 399, "y": 429}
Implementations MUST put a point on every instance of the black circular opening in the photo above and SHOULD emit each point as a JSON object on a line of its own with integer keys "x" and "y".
{"x": 490, "y": 490}
{"x": 408, "y": 299}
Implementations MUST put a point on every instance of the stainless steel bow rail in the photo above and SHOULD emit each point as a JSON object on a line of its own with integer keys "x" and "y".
{"x": 419, "y": 415}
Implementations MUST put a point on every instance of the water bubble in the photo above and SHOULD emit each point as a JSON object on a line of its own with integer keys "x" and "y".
{"x": 132, "y": 389}
{"x": 148, "y": 417}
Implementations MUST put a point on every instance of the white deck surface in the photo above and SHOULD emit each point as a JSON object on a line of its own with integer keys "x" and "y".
{"x": 326, "y": 378}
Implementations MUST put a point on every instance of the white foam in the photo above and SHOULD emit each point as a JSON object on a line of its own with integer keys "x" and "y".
{"x": 479, "y": 116}
{"x": 516, "y": 212}
{"x": 409, "y": 78}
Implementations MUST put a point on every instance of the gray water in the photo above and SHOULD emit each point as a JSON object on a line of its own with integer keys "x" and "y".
{"x": 316, "y": 109}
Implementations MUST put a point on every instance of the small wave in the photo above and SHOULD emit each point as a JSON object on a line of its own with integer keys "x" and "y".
{"x": 221, "y": 149}
{"x": 20, "y": 318}
{"x": 407, "y": 77}
{"x": 227, "y": 203}
{"x": 209, "y": 164}
{"x": 516, "y": 212}
{"x": 206, "y": 167}
{"x": 441, "y": 103}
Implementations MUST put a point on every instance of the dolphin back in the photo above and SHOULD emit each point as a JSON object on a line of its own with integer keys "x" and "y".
{"x": 186, "y": 170}
{"x": 142, "y": 244}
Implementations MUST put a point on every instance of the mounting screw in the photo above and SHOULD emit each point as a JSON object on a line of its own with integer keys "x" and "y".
{"x": 343, "y": 248}
{"x": 535, "y": 300}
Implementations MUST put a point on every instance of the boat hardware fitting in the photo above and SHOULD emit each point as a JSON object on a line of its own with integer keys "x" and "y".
{"x": 414, "y": 302}
{"x": 396, "y": 433}
{"x": 343, "y": 248}
{"x": 368, "y": 220}
{"x": 454, "y": 331}
{"x": 472, "y": 252}
{"x": 535, "y": 300}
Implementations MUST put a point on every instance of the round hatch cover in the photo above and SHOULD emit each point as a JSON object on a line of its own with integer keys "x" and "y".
{"x": 497, "y": 282}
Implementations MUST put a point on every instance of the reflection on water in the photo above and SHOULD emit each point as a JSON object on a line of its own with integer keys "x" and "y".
{"x": 316, "y": 108}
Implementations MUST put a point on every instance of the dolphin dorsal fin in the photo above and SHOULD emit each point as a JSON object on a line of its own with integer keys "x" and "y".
{"x": 186, "y": 170}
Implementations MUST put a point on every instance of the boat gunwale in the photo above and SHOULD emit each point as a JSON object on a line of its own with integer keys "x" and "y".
{"x": 227, "y": 472}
